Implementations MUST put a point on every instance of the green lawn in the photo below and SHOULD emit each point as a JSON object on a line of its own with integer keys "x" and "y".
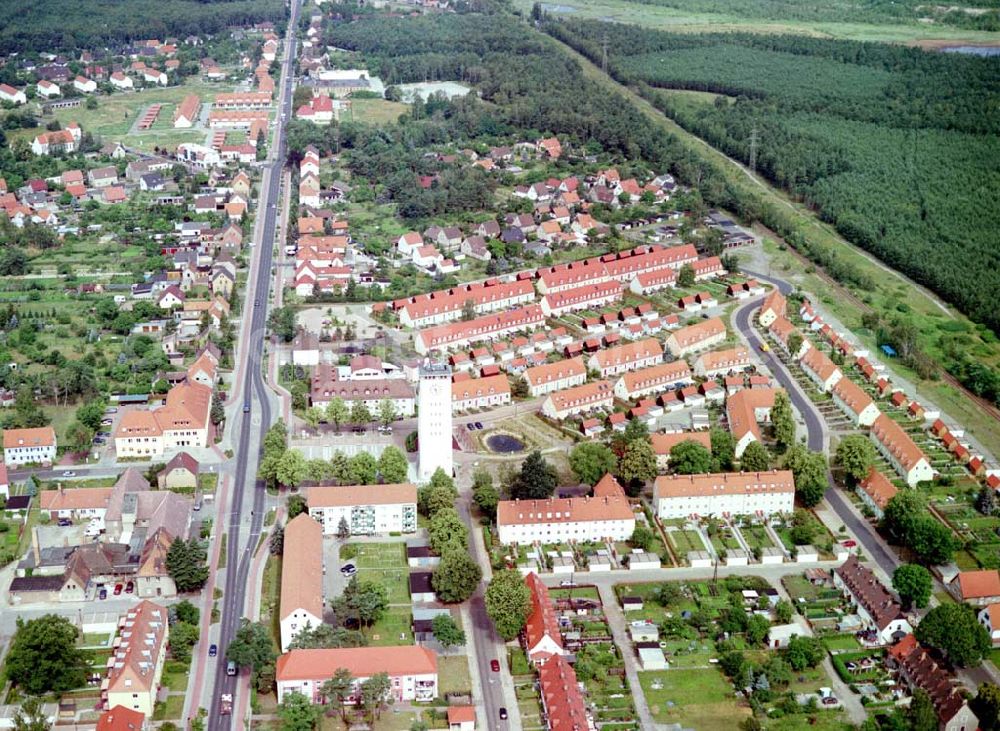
{"x": 172, "y": 709}
{"x": 841, "y": 642}
{"x": 395, "y": 628}
{"x": 383, "y": 563}
{"x": 453, "y": 675}
{"x": 375, "y": 111}
{"x": 699, "y": 699}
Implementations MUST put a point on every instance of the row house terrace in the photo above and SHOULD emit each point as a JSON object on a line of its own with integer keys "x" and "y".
{"x": 489, "y": 327}
{"x": 549, "y": 377}
{"x": 589, "y": 296}
{"x": 480, "y": 393}
{"x": 447, "y": 305}
{"x": 578, "y": 400}
{"x": 901, "y": 451}
{"x": 628, "y": 357}
{"x": 699, "y": 336}
{"x": 645, "y": 381}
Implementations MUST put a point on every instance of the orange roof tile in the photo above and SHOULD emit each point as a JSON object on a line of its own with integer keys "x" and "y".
{"x": 733, "y": 483}
{"x": 362, "y": 662}
{"x": 302, "y": 562}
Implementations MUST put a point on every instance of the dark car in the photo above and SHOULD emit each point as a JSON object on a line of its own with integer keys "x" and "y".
{"x": 129, "y": 587}
{"x": 63, "y": 522}
{"x": 470, "y": 426}
{"x": 118, "y": 589}
{"x": 246, "y": 408}
{"x": 102, "y": 594}
{"x": 479, "y": 425}
{"x": 213, "y": 650}
{"x": 495, "y": 666}
{"x": 348, "y": 569}
{"x": 503, "y": 713}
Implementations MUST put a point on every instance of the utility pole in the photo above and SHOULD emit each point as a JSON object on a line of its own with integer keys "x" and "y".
{"x": 753, "y": 150}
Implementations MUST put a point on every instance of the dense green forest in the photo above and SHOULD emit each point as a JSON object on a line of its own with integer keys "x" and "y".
{"x": 53, "y": 25}
{"x": 896, "y": 147}
{"x": 981, "y": 15}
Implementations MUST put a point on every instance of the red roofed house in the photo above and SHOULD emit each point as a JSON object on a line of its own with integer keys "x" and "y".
{"x": 918, "y": 669}
{"x": 542, "y": 639}
{"x": 875, "y": 491}
{"x": 903, "y": 454}
{"x": 876, "y": 606}
{"x": 413, "y": 671}
{"x": 562, "y": 700}
{"x": 121, "y": 718}
{"x": 977, "y": 587}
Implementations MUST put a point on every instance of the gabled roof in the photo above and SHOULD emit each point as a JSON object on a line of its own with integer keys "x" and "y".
{"x": 869, "y": 592}
{"x": 542, "y": 621}
{"x": 362, "y": 662}
{"x": 302, "y": 572}
{"x": 978, "y": 584}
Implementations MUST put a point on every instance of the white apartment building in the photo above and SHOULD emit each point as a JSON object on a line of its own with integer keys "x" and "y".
{"x": 624, "y": 358}
{"x": 434, "y": 423}
{"x": 892, "y": 441}
{"x": 606, "y": 515}
{"x": 724, "y": 494}
{"x": 700, "y": 336}
{"x": 301, "y": 578}
{"x": 29, "y": 446}
{"x": 854, "y": 402}
{"x": 412, "y": 669}
{"x": 368, "y": 509}
{"x": 550, "y": 377}
{"x": 654, "y": 379}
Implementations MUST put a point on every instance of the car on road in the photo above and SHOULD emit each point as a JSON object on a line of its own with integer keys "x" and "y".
{"x": 246, "y": 408}
{"x": 479, "y": 425}
{"x": 63, "y": 522}
{"x": 102, "y": 594}
{"x": 503, "y": 713}
{"x": 69, "y": 473}
{"x": 213, "y": 650}
{"x": 470, "y": 426}
{"x": 230, "y": 668}
{"x": 495, "y": 665}
{"x": 764, "y": 347}
{"x": 118, "y": 589}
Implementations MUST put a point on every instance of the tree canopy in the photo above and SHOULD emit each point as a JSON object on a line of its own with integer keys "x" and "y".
{"x": 44, "y": 658}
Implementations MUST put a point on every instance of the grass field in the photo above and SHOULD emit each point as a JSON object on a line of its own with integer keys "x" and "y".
{"x": 696, "y": 698}
{"x": 375, "y": 111}
{"x": 395, "y": 628}
{"x": 453, "y": 675}
{"x": 385, "y": 564}
{"x": 687, "y": 21}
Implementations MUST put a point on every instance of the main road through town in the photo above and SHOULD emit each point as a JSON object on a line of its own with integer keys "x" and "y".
{"x": 253, "y": 409}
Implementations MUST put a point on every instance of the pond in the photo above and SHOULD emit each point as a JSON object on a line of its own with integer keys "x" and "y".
{"x": 504, "y": 443}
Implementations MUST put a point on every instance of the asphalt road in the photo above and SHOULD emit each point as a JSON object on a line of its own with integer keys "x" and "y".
{"x": 815, "y": 428}
{"x": 255, "y": 422}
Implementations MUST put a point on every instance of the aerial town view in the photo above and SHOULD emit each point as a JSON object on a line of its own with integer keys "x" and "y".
{"x": 591, "y": 365}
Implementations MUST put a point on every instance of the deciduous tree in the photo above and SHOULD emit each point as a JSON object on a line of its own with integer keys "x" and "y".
{"x": 590, "y": 461}
{"x": 446, "y": 630}
{"x": 782, "y": 420}
{"x": 690, "y": 458}
{"x": 855, "y": 454}
{"x": 755, "y": 458}
{"x": 953, "y": 629}
{"x": 456, "y": 577}
{"x": 43, "y": 656}
{"x": 537, "y": 479}
{"x": 508, "y": 602}
{"x": 392, "y": 466}
{"x": 913, "y": 584}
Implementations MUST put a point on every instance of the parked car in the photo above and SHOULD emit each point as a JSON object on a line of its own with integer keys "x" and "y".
{"x": 349, "y": 569}
{"x": 63, "y": 522}
{"x": 129, "y": 587}
{"x": 213, "y": 650}
{"x": 495, "y": 665}
{"x": 102, "y": 594}
{"x": 479, "y": 425}
{"x": 69, "y": 473}
{"x": 503, "y": 713}
{"x": 118, "y": 589}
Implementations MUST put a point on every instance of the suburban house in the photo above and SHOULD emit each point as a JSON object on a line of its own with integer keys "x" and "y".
{"x": 367, "y": 509}
{"x": 663, "y": 443}
{"x": 628, "y": 357}
{"x": 820, "y": 369}
{"x": 413, "y": 671}
{"x": 717, "y": 363}
{"x": 917, "y": 668}
{"x": 654, "y": 379}
{"x": 29, "y": 446}
{"x": 875, "y": 491}
{"x": 480, "y": 393}
{"x": 724, "y": 494}
{"x": 121, "y": 718}
{"x": 782, "y": 329}
{"x": 605, "y": 516}
{"x": 859, "y": 407}
{"x": 182, "y": 422}
{"x": 9, "y": 94}
{"x": 541, "y": 635}
{"x": 562, "y": 699}
{"x": 900, "y": 450}
{"x": 700, "y": 336}
{"x": 976, "y": 587}
{"x": 301, "y": 578}
{"x": 578, "y": 400}
{"x": 181, "y": 472}
{"x": 82, "y": 503}
{"x": 989, "y": 617}
{"x": 745, "y": 411}
{"x": 876, "y": 606}
{"x": 549, "y": 377}
{"x": 773, "y": 307}
{"x": 136, "y": 664}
